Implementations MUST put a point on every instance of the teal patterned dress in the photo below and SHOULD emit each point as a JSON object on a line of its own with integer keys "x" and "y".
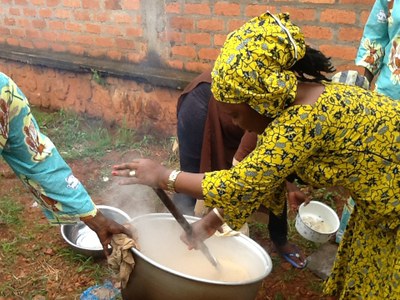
{"x": 379, "y": 49}
{"x": 36, "y": 161}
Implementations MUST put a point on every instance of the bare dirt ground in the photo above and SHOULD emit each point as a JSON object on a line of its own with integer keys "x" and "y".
{"x": 42, "y": 266}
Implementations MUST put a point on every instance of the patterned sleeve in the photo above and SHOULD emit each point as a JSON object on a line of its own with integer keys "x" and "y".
{"x": 36, "y": 161}
{"x": 259, "y": 179}
{"x": 375, "y": 38}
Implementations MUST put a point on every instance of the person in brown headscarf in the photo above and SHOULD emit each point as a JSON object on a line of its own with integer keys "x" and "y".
{"x": 209, "y": 141}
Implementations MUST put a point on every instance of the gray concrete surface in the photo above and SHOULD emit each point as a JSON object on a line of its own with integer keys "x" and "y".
{"x": 321, "y": 261}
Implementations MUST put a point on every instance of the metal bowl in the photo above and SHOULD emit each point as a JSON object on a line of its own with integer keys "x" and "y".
{"x": 83, "y": 239}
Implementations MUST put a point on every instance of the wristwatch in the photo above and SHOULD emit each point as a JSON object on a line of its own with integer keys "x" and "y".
{"x": 171, "y": 180}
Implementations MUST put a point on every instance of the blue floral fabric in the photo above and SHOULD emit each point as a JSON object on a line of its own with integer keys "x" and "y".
{"x": 36, "y": 161}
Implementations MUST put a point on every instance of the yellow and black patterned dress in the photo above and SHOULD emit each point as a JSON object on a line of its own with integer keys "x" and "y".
{"x": 349, "y": 138}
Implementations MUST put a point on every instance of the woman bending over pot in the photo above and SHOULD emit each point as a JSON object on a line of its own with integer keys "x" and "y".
{"x": 330, "y": 134}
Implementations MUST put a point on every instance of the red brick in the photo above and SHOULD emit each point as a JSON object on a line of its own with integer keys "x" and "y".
{"x": 173, "y": 37}
{"x": 62, "y": 13}
{"x": 4, "y": 31}
{"x": 9, "y": 21}
{"x": 102, "y": 17}
{"x": 57, "y": 47}
{"x": 135, "y": 32}
{"x": 40, "y": 44}
{"x": 234, "y": 24}
{"x": 186, "y": 51}
{"x": 254, "y": 10}
{"x": 364, "y": 17}
{"x": 72, "y": 3}
{"x": 56, "y": 25}
{"x": 125, "y": 43}
{"x": 104, "y": 42}
{"x": 39, "y": 24}
{"x": 208, "y": 54}
{"x": 296, "y": 13}
{"x": 198, "y": 38}
{"x": 91, "y": 4}
{"x": 175, "y": 64}
{"x": 81, "y": 15}
{"x": 318, "y": 1}
{"x": 19, "y": 32}
{"x": 73, "y": 27}
{"x": 136, "y": 57}
{"x": 122, "y": 18}
{"x": 210, "y": 24}
{"x": 93, "y": 28}
{"x": 197, "y": 9}
{"x": 13, "y": 11}
{"x": 30, "y": 12}
{"x": 53, "y": 3}
{"x": 45, "y": 12}
{"x": 219, "y": 39}
{"x": 226, "y": 9}
{"x": 32, "y": 34}
{"x": 26, "y": 44}
{"x": 182, "y": 23}
{"x": 366, "y": 2}
{"x": 84, "y": 39}
{"x": 173, "y": 8}
{"x": 130, "y": 4}
{"x": 317, "y": 32}
{"x": 112, "y": 30}
{"x": 24, "y": 23}
{"x": 339, "y": 16}
{"x": 76, "y": 49}
{"x": 339, "y": 51}
{"x": 198, "y": 66}
{"x": 113, "y": 54}
{"x": 112, "y": 4}
{"x": 350, "y": 34}
{"x": 49, "y": 36}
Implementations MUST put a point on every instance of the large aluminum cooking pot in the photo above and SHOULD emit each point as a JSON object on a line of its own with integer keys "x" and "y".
{"x": 166, "y": 270}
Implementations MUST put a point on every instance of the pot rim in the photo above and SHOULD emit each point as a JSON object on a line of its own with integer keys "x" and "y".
{"x": 190, "y": 219}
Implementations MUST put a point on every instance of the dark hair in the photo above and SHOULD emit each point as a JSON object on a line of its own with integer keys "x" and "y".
{"x": 311, "y": 66}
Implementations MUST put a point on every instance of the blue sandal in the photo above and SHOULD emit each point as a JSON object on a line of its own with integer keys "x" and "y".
{"x": 289, "y": 257}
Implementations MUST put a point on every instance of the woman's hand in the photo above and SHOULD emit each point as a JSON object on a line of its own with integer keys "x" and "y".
{"x": 202, "y": 230}
{"x": 105, "y": 228}
{"x": 143, "y": 171}
{"x": 295, "y": 196}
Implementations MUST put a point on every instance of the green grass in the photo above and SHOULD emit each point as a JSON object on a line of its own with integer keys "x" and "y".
{"x": 76, "y": 136}
{"x": 98, "y": 269}
{"x": 10, "y": 211}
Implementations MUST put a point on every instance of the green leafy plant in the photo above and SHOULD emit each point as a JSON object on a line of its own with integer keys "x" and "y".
{"x": 98, "y": 77}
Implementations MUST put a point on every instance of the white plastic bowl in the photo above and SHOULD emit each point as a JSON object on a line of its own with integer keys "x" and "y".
{"x": 316, "y": 222}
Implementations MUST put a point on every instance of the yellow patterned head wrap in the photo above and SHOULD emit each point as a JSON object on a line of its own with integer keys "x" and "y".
{"x": 253, "y": 66}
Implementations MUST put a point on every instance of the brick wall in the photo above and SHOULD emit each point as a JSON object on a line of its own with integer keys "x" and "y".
{"x": 180, "y": 34}
{"x": 170, "y": 34}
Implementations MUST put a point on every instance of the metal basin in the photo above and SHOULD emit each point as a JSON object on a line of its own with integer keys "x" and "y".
{"x": 83, "y": 239}
{"x": 166, "y": 270}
